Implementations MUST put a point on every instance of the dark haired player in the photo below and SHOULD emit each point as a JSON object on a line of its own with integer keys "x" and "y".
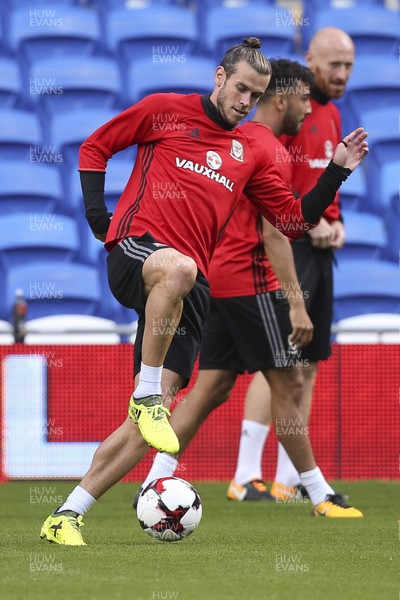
{"x": 160, "y": 251}
{"x": 252, "y": 326}
{"x": 330, "y": 57}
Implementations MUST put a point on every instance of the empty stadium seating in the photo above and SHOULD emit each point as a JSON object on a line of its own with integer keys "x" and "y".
{"x": 365, "y": 236}
{"x": 69, "y": 66}
{"x": 29, "y": 186}
{"x": 52, "y": 30}
{"x": 30, "y": 237}
{"x": 146, "y": 77}
{"x": 20, "y": 135}
{"x": 159, "y": 32}
{"x": 225, "y": 27}
{"x": 366, "y": 286}
{"x": 53, "y": 288}
{"x": 66, "y": 84}
{"x": 10, "y": 82}
{"x": 373, "y": 28}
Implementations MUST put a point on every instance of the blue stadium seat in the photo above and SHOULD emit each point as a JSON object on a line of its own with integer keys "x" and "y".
{"x": 65, "y": 83}
{"x": 364, "y": 92}
{"x": 10, "y": 83}
{"x": 53, "y": 288}
{"x": 146, "y": 77}
{"x": 30, "y": 237}
{"x": 365, "y": 236}
{"x": 353, "y": 191}
{"x": 41, "y": 32}
{"x": 38, "y": 3}
{"x": 374, "y": 29}
{"x": 225, "y": 27}
{"x": 163, "y": 33}
{"x": 29, "y": 187}
{"x": 68, "y": 130}
{"x": 392, "y": 220}
{"x": 383, "y": 185}
{"x": 380, "y": 166}
{"x": 20, "y": 135}
{"x": 366, "y": 286}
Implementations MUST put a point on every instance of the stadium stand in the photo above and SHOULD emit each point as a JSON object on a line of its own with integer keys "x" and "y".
{"x": 52, "y": 30}
{"x": 71, "y": 329}
{"x": 366, "y": 286}
{"x": 392, "y": 221}
{"x": 53, "y": 288}
{"x": 151, "y": 32}
{"x": 353, "y": 191}
{"x": 376, "y": 328}
{"x": 128, "y": 49}
{"x": 30, "y": 237}
{"x": 365, "y": 236}
{"x": 224, "y": 26}
{"x": 10, "y": 83}
{"x": 20, "y": 135}
{"x": 36, "y": 188}
{"x": 373, "y": 28}
{"x": 364, "y": 92}
{"x": 91, "y": 82}
{"x": 146, "y": 77}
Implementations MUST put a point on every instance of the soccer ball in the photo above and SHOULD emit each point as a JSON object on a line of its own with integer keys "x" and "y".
{"x": 169, "y": 509}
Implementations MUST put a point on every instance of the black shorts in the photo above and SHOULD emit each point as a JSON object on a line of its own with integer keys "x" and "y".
{"x": 248, "y": 333}
{"x": 314, "y": 271}
{"x": 125, "y": 264}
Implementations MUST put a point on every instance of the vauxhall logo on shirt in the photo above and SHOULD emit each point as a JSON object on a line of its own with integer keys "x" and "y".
{"x": 214, "y": 162}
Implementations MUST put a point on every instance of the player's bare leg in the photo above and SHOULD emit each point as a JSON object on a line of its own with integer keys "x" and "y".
{"x": 113, "y": 459}
{"x": 168, "y": 277}
{"x": 290, "y": 427}
{"x": 212, "y": 388}
{"x": 309, "y": 375}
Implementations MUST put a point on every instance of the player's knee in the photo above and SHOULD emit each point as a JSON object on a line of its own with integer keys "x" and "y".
{"x": 184, "y": 274}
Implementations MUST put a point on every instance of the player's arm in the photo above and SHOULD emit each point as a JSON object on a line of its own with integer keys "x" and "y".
{"x": 132, "y": 126}
{"x": 295, "y": 217}
{"x": 279, "y": 252}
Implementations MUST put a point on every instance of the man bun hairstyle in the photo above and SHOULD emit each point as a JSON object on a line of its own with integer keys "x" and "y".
{"x": 248, "y": 51}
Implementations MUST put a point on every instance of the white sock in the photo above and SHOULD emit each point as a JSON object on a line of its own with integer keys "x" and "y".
{"x": 286, "y": 472}
{"x": 252, "y": 441}
{"x": 164, "y": 465}
{"x": 316, "y": 485}
{"x": 79, "y": 501}
{"x": 149, "y": 381}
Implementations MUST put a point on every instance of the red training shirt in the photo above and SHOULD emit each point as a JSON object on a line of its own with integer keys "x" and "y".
{"x": 239, "y": 266}
{"x": 188, "y": 176}
{"x": 313, "y": 148}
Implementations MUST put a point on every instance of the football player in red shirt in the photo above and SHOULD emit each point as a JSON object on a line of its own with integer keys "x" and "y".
{"x": 330, "y": 58}
{"x": 252, "y": 326}
{"x": 160, "y": 251}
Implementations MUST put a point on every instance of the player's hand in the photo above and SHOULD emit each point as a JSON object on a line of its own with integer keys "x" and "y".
{"x": 303, "y": 328}
{"x": 322, "y": 234}
{"x": 100, "y": 236}
{"x": 352, "y": 149}
{"x": 339, "y": 236}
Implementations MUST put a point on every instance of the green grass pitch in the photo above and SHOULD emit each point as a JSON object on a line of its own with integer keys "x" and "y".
{"x": 240, "y": 550}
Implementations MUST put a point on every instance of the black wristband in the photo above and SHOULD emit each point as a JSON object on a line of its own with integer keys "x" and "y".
{"x": 317, "y": 200}
{"x": 98, "y": 222}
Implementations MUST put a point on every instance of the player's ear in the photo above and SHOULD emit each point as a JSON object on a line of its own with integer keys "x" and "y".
{"x": 220, "y": 76}
{"x": 280, "y": 101}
